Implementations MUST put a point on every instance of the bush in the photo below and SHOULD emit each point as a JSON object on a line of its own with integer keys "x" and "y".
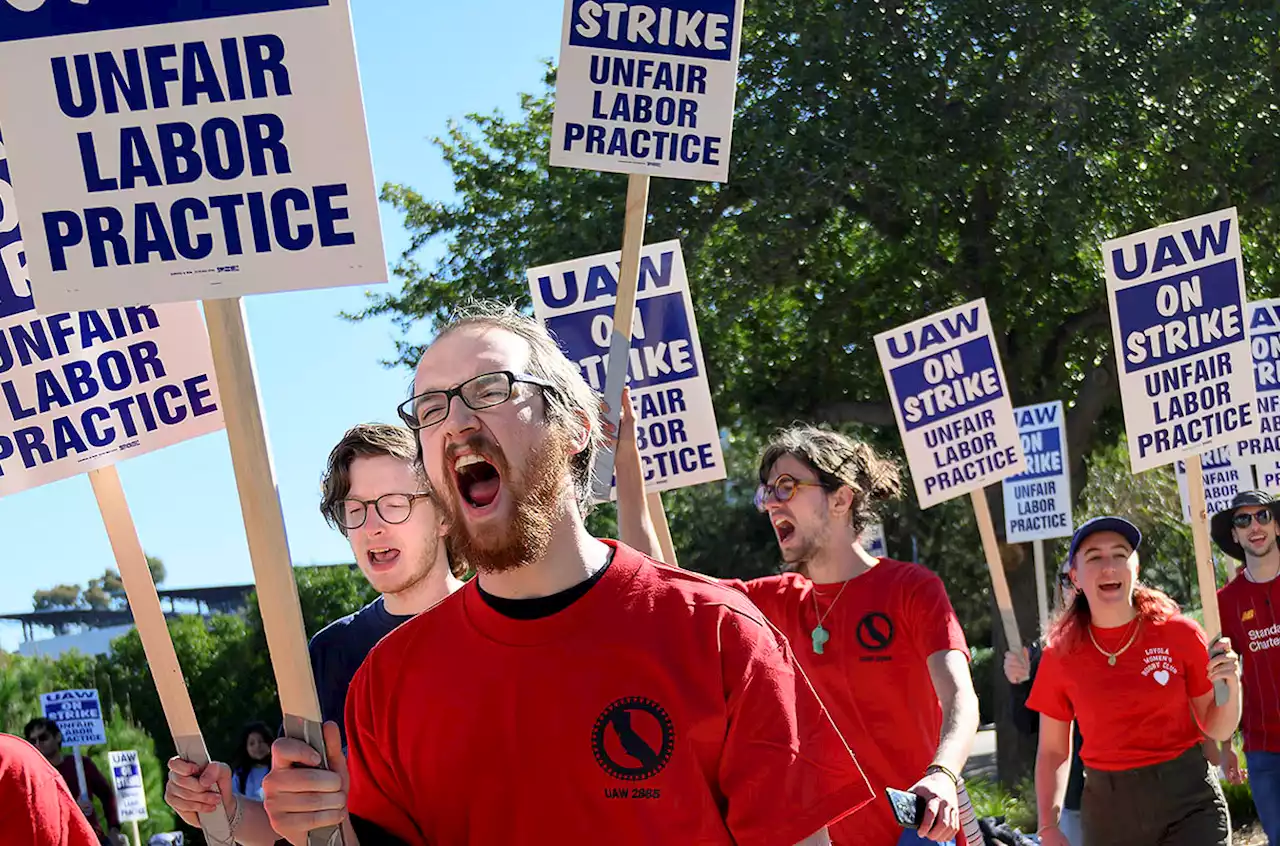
{"x": 1016, "y": 807}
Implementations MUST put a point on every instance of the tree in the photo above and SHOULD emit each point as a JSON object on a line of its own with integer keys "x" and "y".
{"x": 890, "y": 160}
{"x": 156, "y": 566}
{"x": 57, "y": 597}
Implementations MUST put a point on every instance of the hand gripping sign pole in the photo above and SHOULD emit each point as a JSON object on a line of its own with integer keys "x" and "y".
{"x": 1177, "y": 301}
{"x": 144, "y": 604}
{"x": 1206, "y": 573}
{"x": 264, "y": 526}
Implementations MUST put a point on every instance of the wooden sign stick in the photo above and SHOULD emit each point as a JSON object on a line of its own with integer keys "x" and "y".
{"x": 1042, "y": 589}
{"x": 144, "y": 604}
{"x": 624, "y": 312}
{"x": 1000, "y": 586}
{"x": 264, "y": 526}
{"x": 1207, "y": 576}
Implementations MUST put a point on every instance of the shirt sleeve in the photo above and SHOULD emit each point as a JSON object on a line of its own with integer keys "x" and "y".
{"x": 785, "y": 772}
{"x": 35, "y": 804}
{"x": 1195, "y": 659}
{"x": 934, "y": 624}
{"x": 375, "y": 791}
{"x": 99, "y": 787}
{"x": 1048, "y": 690}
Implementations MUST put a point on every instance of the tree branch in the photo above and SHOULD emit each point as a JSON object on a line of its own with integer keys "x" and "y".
{"x": 1079, "y": 322}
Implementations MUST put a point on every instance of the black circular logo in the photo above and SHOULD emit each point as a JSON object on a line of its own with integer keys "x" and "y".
{"x": 875, "y": 631}
{"x": 633, "y": 738}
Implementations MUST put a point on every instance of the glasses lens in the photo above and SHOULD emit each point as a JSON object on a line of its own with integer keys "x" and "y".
{"x": 394, "y": 508}
{"x": 429, "y": 409}
{"x": 1242, "y": 520}
{"x": 1263, "y": 517}
{"x": 763, "y": 493}
{"x": 784, "y": 488}
{"x": 351, "y": 513}
{"x": 487, "y": 391}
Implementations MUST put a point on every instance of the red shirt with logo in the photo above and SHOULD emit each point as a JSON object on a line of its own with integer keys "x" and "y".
{"x": 1136, "y": 713}
{"x": 660, "y": 707}
{"x": 872, "y": 674}
{"x": 36, "y": 808}
{"x": 1251, "y": 620}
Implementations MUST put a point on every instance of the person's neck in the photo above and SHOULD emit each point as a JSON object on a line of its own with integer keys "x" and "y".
{"x": 572, "y": 557}
{"x": 57, "y": 758}
{"x": 839, "y": 562}
{"x": 438, "y": 583}
{"x": 1263, "y": 569}
{"x": 1113, "y": 618}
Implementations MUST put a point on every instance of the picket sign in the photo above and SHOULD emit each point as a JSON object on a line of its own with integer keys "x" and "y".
{"x": 1178, "y": 316}
{"x": 144, "y": 604}
{"x": 264, "y": 526}
{"x": 951, "y": 402}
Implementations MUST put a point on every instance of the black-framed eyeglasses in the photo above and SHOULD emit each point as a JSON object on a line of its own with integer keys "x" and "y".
{"x": 393, "y": 508}
{"x": 1242, "y": 519}
{"x": 783, "y": 488}
{"x": 483, "y": 391}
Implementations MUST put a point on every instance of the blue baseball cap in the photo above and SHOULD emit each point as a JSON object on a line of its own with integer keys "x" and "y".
{"x": 1119, "y": 525}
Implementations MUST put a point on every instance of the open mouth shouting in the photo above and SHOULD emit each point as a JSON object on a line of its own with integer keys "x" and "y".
{"x": 1110, "y": 588}
{"x": 383, "y": 558}
{"x": 478, "y": 482}
{"x": 784, "y": 529}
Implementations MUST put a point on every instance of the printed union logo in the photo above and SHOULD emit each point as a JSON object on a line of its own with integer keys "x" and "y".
{"x": 633, "y": 739}
{"x": 875, "y": 631}
{"x": 1246, "y": 616}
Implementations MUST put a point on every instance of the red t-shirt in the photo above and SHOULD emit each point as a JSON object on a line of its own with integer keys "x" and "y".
{"x": 1251, "y": 621}
{"x": 660, "y": 707}
{"x": 1137, "y": 713}
{"x": 36, "y": 809}
{"x": 872, "y": 673}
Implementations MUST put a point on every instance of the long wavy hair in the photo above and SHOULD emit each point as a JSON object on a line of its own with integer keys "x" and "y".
{"x": 241, "y": 763}
{"x": 1070, "y": 627}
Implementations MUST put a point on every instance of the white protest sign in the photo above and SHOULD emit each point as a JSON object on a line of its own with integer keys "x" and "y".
{"x": 647, "y": 88}
{"x": 126, "y": 779}
{"x": 78, "y": 715}
{"x": 873, "y": 540}
{"x": 949, "y": 395}
{"x": 1177, "y": 315}
{"x": 1224, "y": 476}
{"x": 172, "y": 152}
{"x": 82, "y": 390}
{"x": 1264, "y": 342}
{"x": 1037, "y": 503}
{"x": 675, "y": 423}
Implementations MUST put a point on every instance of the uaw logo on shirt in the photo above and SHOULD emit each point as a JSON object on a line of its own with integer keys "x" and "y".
{"x": 875, "y": 634}
{"x": 1263, "y": 639}
{"x": 633, "y": 740}
{"x": 1158, "y": 665}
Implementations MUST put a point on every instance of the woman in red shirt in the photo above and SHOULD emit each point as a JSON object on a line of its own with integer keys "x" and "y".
{"x": 1138, "y": 676}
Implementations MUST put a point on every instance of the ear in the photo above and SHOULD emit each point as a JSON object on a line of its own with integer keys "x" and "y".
{"x": 842, "y": 500}
{"x": 580, "y": 435}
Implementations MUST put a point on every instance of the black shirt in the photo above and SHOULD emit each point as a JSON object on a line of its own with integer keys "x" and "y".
{"x": 339, "y": 649}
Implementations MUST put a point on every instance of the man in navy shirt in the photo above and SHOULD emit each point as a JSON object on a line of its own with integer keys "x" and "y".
{"x": 375, "y": 493}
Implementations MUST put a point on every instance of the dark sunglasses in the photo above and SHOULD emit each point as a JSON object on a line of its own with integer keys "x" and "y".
{"x": 1242, "y": 519}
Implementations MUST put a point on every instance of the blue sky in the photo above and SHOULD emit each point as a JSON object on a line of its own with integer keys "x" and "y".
{"x": 422, "y": 62}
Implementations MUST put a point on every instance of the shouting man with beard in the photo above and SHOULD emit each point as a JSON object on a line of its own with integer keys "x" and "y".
{"x": 878, "y": 637}
{"x": 575, "y": 691}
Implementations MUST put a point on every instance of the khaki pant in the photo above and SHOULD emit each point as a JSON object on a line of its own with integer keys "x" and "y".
{"x": 1177, "y": 803}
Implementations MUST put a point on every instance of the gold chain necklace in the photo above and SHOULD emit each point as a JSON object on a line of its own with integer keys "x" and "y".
{"x": 1112, "y": 656}
{"x": 819, "y": 634}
